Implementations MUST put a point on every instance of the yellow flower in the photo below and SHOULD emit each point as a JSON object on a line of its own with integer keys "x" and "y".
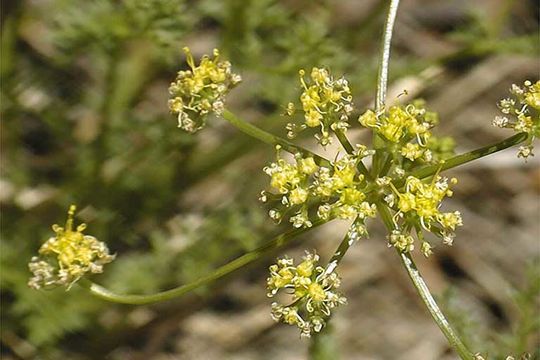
{"x": 326, "y": 102}
{"x": 522, "y": 114}
{"x": 66, "y": 257}
{"x": 313, "y": 289}
{"x": 368, "y": 119}
{"x": 532, "y": 97}
{"x": 298, "y": 196}
{"x": 307, "y": 166}
{"x": 201, "y": 90}
{"x": 412, "y": 151}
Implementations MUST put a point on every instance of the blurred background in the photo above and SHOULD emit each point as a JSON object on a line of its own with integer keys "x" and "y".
{"x": 85, "y": 121}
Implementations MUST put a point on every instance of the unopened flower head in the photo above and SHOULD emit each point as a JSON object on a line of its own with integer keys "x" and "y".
{"x": 338, "y": 189}
{"x": 313, "y": 290}
{"x": 326, "y": 103}
{"x": 67, "y": 256}
{"x": 439, "y": 149}
{"x": 201, "y": 90}
{"x": 522, "y": 114}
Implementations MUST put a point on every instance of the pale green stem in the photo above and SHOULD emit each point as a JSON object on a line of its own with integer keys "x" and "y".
{"x": 220, "y": 272}
{"x": 350, "y": 238}
{"x": 435, "y": 311}
{"x": 382, "y": 76}
{"x": 382, "y": 80}
{"x": 269, "y": 138}
{"x": 422, "y": 289}
{"x": 323, "y": 345}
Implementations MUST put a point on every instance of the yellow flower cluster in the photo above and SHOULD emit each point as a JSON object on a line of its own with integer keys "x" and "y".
{"x": 408, "y": 126}
{"x": 67, "y": 257}
{"x": 197, "y": 92}
{"x": 419, "y": 204}
{"x": 326, "y": 103}
{"x": 338, "y": 189}
{"x": 292, "y": 182}
{"x": 341, "y": 190}
{"x": 313, "y": 290}
{"x": 524, "y": 108}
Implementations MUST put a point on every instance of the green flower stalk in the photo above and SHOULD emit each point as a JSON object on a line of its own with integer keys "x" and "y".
{"x": 522, "y": 114}
{"x": 68, "y": 256}
{"x": 201, "y": 90}
{"x": 313, "y": 290}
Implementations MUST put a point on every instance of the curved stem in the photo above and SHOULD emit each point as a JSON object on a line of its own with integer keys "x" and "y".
{"x": 220, "y": 272}
{"x": 425, "y": 294}
{"x": 269, "y": 138}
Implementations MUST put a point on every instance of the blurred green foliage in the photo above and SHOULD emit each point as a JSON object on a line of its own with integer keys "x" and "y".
{"x": 83, "y": 104}
{"x": 500, "y": 344}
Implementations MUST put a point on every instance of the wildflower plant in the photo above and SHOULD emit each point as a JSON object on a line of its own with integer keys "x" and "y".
{"x": 403, "y": 186}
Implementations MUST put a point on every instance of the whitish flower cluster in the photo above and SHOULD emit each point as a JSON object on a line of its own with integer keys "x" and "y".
{"x": 66, "y": 257}
{"x": 326, "y": 103}
{"x": 313, "y": 290}
{"x": 522, "y": 114}
{"x": 417, "y": 207}
{"x": 337, "y": 189}
{"x": 407, "y": 126}
{"x": 197, "y": 92}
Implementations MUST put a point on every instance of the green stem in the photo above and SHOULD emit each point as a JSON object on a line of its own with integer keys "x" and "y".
{"x": 340, "y": 134}
{"x": 425, "y": 294}
{"x": 269, "y": 138}
{"x": 435, "y": 311}
{"x": 382, "y": 79}
{"x": 323, "y": 345}
{"x": 350, "y": 238}
{"x": 220, "y": 272}
{"x": 470, "y": 156}
{"x": 344, "y": 141}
